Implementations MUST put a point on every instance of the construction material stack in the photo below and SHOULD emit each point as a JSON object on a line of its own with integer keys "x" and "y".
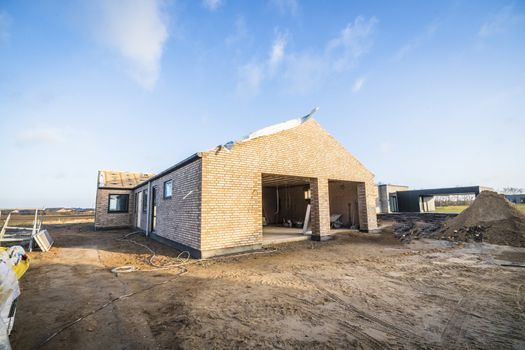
{"x": 14, "y": 262}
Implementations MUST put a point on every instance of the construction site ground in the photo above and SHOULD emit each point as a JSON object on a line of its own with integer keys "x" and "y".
{"x": 360, "y": 290}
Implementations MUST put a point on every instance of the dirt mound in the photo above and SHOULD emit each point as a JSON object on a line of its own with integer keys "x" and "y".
{"x": 491, "y": 218}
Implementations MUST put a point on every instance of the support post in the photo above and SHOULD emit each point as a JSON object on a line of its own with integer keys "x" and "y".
{"x": 366, "y": 199}
{"x": 320, "y": 209}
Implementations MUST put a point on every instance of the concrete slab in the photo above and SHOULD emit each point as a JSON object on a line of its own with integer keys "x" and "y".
{"x": 277, "y": 234}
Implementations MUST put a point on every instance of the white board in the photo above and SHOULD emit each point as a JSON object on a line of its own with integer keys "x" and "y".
{"x": 44, "y": 240}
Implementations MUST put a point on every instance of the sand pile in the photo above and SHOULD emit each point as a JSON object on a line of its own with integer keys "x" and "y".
{"x": 491, "y": 218}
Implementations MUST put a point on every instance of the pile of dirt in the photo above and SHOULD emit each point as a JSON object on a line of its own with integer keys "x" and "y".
{"x": 491, "y": 218}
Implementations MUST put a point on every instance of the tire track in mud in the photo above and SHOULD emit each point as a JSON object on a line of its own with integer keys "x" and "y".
{"x": 356, "y": 331}
{"x": 454, "y": 330}
{"x": 387, "y": 327}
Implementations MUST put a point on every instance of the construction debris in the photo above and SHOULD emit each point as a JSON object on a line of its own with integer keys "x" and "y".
{"x": 491, "y": 218}
{"x": 335, "y": 221}
{"x": 44, "y": 240}
{"x": 26, "y": 236}
{"x": 13, "y": 264}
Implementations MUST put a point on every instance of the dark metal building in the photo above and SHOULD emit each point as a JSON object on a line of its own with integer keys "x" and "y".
{"x": 516, "y": 198}
{"x": 423, "y": 200}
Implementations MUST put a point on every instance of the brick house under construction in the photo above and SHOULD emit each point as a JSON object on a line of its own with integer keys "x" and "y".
{"x": 230, "y": 198}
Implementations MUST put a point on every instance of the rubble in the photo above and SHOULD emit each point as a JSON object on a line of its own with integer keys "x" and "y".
{"x": 491, "y": 218}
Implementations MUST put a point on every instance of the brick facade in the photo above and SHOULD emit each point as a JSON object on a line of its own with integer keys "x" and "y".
{"x": 104, "y": 219}
{"x": 231, "y": 183}
{"x": 217, "y": 197}
{"x": 178, "y": 217}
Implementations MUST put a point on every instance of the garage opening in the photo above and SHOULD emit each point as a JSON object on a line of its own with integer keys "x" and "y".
{"x": 285, "y": 201}
{"x": 344, "y": 211}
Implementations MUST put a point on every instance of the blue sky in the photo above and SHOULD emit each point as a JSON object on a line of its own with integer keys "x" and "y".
{"x": 424, "y": 93}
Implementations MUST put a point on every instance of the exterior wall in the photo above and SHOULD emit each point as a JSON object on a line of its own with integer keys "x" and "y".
{"x": 103, "y": 219}
{"x": 179, "y": 217}
{"x": 410, "y": 201}
{"x": 516, "y": 198}
{"x": 383, "y": 197}
{"x": 231, "y": 183}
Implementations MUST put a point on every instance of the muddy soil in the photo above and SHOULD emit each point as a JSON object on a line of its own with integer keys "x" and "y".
{"x": 359, "y": 291}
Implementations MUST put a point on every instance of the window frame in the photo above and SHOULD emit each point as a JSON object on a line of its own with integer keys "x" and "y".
{"x": 164, "y": 196}
{"x": 126, "y": 195}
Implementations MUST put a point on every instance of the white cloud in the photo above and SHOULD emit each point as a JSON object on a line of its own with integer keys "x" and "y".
{"x": 251, "y": 75}
{"x": 500, "y": 22}
{"x": 352, "y": 43}
{"x": 416, "y": 42}
{"x": 36, "y": 137}
{"x": 240, "y": 32}
{"x": 303, "y": 71}
{"x": 277, "y": 51}
{"x": 5, "y": 21}
{"x": 137, "y": 31}
{"x": 286, "y": 6}
{"x": 404, "y": 51}
{"x": 250, "y": 78}
{"x": 212, "y": 5}
{"x": 358, "y": 84}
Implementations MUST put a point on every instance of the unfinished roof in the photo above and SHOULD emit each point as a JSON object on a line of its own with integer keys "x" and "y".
{"x": 121, "y": 179}
{"x": 113, "y": 181}
{"x": 273, "y": 129}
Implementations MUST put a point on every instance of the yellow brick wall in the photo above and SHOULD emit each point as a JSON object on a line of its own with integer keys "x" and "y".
{"x": 231, "y": 182}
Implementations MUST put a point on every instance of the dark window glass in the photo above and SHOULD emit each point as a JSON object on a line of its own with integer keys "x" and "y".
{"x": 145, "y": 201}
{"x": 118, "y": 203}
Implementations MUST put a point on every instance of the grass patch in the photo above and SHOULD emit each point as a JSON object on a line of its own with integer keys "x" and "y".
{"x": 460, "y": 208}
{"x": 451, "y": 209}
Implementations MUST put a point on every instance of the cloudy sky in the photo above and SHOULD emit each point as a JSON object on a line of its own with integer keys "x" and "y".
{"x": 424, "y": 93}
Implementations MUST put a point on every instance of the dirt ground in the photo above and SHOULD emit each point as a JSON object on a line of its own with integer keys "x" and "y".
{"x": 362, "y": 291}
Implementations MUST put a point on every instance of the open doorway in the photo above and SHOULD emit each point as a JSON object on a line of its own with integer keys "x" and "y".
{"x": 344, "y": 210}
{"x": 285, "y": 202}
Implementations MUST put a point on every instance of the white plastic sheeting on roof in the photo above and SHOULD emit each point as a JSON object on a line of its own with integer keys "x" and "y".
{"x": 273, "y": 129}
{"x": 270, "y": 130}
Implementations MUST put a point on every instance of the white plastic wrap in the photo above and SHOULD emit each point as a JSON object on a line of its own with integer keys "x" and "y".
{"x": 9, "y": 291}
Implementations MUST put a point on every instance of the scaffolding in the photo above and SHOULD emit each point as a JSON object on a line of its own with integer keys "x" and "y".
{"x": 23, "y": 236}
